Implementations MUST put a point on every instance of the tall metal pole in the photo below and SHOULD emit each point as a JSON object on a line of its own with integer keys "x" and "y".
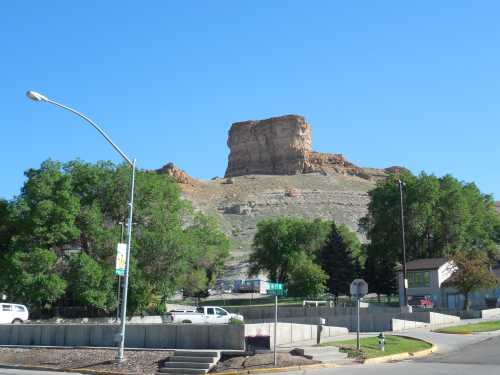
{"x": 275, "y": 324}
{"x": 405, "y": 294}
{"x": 358, "y": 346}
{"x": 127, "y": 265}
{"x": 119, "y": 279}
{"x": 41, "y": 98}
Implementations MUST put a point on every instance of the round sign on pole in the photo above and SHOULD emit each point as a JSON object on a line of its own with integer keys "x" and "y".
{"x": 359, "y": 288}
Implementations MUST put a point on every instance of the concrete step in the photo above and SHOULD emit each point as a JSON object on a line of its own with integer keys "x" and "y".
{"x": 187, "y": 365}
{"x": 186, "y": 371}
{"x": 190, "y": 353}
{"x": 179, "y": 358}
{"x": 325, "y": 354}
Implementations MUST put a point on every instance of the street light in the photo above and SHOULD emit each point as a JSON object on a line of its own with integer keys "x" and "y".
{"x": 41, "y": 98}
{"x": 405, "y": 294}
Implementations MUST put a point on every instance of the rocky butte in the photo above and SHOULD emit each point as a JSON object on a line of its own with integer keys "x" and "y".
{"x": 272, "y": 172}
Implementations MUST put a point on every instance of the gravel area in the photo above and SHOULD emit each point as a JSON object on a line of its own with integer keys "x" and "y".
{"x": 261, "y": 361}
{"x": 144, "y": 362}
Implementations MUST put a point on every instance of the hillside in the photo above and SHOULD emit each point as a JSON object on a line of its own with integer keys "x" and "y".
{"x": 241, "y": 204}
{"x": 273, "y": 172}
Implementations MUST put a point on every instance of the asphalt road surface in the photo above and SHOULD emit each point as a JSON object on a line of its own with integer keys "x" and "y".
{"x": 482, "y": 358}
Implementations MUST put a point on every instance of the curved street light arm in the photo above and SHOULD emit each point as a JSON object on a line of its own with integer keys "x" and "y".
{"x": 96, "y": 127}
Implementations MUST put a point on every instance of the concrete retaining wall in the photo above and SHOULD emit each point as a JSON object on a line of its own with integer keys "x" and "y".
{"x": 490, "y": 313}
{"x": 288, "y": 333}
{"x": 262, "y": 313}
{"x": 166, "y": 336}
{"x": 374, "y": 321}
{"x": 402, "y": 325}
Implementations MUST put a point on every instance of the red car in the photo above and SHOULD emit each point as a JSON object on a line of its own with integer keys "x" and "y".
{"x": 421, "y": 301}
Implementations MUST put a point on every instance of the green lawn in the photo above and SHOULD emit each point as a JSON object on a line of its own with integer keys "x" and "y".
{"x": 370, "y": 347}
{"x": 472, "y": 328}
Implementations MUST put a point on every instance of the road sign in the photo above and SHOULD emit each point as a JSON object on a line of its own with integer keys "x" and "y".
{"x": 275, "y": 286}
{"x": 121, "y": 256}
{"x": 276, "y": 289}
{"x": 359, "y": 288}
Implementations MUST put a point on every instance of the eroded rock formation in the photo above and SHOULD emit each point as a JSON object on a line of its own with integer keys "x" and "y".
{"x": 282, "y": 146}
{"x": 275, "y": 146}
{"x": 177, "y": 174}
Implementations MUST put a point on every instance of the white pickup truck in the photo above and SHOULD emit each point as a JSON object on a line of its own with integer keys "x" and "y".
{"x": 203, "y": 314}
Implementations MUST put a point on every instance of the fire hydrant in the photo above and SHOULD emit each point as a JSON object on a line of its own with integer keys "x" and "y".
{"x": 381, "y": 341}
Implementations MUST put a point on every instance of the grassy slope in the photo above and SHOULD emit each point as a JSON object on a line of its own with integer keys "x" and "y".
{"x": 472, "y": 328}
{"x": 370, "y": 346}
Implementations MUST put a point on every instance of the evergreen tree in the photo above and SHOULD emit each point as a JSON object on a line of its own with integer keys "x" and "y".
{"x": 337, "y": 261}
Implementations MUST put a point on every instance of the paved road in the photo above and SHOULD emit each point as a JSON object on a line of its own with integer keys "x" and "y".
{"x": 480, "y": 357}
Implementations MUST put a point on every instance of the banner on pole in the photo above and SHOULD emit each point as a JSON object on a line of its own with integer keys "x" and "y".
{"x": 121, "y": 257}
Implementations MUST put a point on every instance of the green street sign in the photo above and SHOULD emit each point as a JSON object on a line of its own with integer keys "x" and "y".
{"x": 275, "y": 286}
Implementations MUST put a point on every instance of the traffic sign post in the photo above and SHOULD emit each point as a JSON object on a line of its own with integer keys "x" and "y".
{"x": 275, "y": 289}
{"x": 359, "y": 289}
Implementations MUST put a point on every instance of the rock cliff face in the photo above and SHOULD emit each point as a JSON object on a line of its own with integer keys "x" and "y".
{"x": 498, "y": 206}
{"x": 282, "y": 146}
{"x": 276, "y": 146}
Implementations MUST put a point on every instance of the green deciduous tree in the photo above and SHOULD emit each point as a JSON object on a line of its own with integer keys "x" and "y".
{"x": 471, "y": 272}
{"x": 307, "y": 279}
{"x": 91, "y": 283}
{"x": 32, "y": 277}
{"x": 442, "y": 216}
{"x": 77, "y": 206}
{"x": 278, "y": 241}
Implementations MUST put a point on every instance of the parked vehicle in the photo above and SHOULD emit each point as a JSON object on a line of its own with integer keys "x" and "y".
{"x": 202, "y": 315}
{"x": 13, "y": 313}
{"x": 421, "y": 301}
{"x": 253, "y": 286}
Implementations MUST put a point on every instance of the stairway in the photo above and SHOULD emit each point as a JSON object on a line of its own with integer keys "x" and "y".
{"x": 189, "y": 362}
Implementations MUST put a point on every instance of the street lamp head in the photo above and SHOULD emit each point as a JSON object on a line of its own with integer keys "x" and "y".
{"x": 33, "y": 95}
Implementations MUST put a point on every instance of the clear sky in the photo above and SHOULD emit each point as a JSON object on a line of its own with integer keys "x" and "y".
{"x": 382, "y": 82}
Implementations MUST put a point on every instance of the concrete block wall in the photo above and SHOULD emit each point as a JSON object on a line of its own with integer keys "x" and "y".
{"x": 373, "y": 321}
{"x": 490, "y": 313}
{"x": 260, "y": 313}
{"x": 166, "y": 336}
{"x": 288, "y": 333}
{"x": 402, "y": 325}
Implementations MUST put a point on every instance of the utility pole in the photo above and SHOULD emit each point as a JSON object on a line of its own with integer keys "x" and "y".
{"x": 405, "y": 294}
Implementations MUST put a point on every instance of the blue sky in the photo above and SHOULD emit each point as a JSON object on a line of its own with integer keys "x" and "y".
{"x": 382, "y": 82}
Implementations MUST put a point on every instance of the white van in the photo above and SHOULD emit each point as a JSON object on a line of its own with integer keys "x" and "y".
{"x": 13, "y": 313}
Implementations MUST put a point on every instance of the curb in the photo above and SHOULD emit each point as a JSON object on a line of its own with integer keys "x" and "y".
{"x": 70, "y": 370}
{"x": 401, "y": 356}
{"x": 276, "y": 369}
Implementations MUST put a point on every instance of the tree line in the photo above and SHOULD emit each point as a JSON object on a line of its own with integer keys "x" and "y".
{"x": 58, "y": 239}
{"x": 444, "y": 217}
{"x": 310, "y": 257}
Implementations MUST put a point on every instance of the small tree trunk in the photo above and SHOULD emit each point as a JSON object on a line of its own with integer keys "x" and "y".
{"x": 466, "y": 301}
